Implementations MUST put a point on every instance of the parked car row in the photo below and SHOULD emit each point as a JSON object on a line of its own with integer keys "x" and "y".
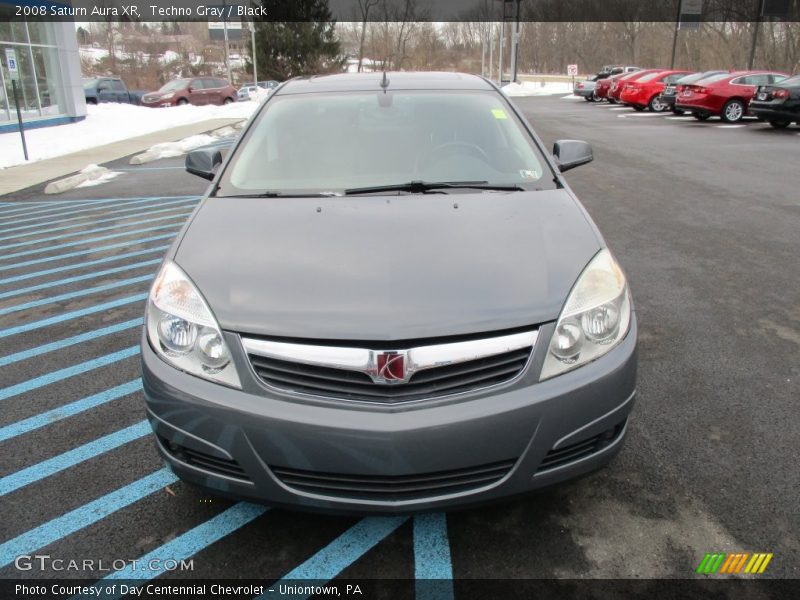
{"x": 248, "y": 90}
{"x": 189, "y": 90}
{"x": 731, "y": 95}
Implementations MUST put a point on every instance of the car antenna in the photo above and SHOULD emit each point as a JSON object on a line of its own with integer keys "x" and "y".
{"x": 384, "y": 82}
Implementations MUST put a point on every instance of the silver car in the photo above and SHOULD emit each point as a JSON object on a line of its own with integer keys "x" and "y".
{"x": 388, "y": 301}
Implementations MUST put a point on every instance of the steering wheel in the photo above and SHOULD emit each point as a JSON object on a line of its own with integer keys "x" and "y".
{"x": 451, "y": 148}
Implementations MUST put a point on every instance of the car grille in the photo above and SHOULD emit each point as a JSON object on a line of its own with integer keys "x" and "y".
{"x": 220, "y": 466}
{"x": 393, "y": 488}
{"x": 574, "y": 452}
{"x": 355, "y": 385}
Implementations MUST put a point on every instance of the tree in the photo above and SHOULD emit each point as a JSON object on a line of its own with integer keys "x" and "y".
{"x": 301, "y": 40}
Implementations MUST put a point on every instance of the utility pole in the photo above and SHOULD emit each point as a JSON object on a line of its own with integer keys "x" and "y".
{"x": 225, "y": 32}
{"x": 500, "y": 61}
{"x": 675, "y": 35}
{"x": 253, "y": 44}
{"x": 756, "y": 27}
{"x": 491, "y": 49}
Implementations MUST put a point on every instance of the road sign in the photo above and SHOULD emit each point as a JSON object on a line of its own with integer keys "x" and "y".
{"x": 11, "y": 62}
{"x": 572, "y": 70}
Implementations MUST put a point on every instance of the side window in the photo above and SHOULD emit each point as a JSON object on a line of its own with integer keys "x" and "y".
{"x": 197, "y": 84}
{"x": 747, "y": 80}
{"x": 760, "y": 79}
{"x": 222, "y": 83}
{"x": 117, "y": 86}
{"x": 673, "y": 78}
{"x": 210, "y": 83}
{"x": 776, "y": 78}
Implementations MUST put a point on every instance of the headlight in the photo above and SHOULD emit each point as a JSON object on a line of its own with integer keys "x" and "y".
{"x": 183, "y": 331}
{"x": 594, "y": 319}
{"x": 167, "y": 96}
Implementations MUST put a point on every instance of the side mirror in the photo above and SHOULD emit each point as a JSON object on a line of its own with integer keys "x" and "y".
{"x": 203, "y": 162}
{"x": 572, "y": 153}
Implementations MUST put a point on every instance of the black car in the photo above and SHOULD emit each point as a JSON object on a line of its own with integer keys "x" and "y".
{"x": 778, "y": 104}
{"x": 672, "y": 90}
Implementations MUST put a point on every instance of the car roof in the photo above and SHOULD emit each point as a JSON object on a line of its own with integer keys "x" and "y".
{"x": 405, "y": 80}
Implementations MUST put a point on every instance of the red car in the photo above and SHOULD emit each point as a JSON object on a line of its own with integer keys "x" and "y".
{"x": 645, "y": 92}
{"x": 726, "y": 95}
{"x": 617, "y": 85}
{"x": 197, "y": 91}
{"x": 603, "y": 86}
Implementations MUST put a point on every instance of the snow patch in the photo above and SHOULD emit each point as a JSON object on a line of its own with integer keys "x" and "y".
{"x": 111, "y": 122}
{"x": 537, "y": 88}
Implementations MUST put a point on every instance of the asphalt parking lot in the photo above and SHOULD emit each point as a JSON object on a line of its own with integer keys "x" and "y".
{"x": 703, "y": 217}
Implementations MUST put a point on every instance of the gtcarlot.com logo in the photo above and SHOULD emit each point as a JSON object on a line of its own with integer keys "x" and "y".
{"x": 44, "y": 562}
{"x": 733, "y": 563}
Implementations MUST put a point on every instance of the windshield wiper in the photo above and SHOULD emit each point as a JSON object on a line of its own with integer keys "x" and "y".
{"x": 420, "y": 187}
{"x": 276, "y": 194}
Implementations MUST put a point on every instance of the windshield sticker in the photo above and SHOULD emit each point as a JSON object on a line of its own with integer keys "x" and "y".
{"x": 526, "y": 174}
{"x": 499, "y": 113}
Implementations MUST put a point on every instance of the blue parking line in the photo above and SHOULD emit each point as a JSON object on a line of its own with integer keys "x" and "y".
{"x": 73, "y": 234}
{"x": 84, "y": 516}
{"x": 80, "y": 208}
{"x": 90, "y": 218}
{"x": 70, "y": 341}
{"x": 67, "y": 372}
{"x": 189, "y": 543}
{"x": 341, "y": 552}
{"x": 90, "y": 263}
{"x": 77, "y": 294}
{"x": 173, "y": 226}
{"x": 51, "y": 466}
{"x": 68, "y": 410}
{"x": 433, "y": 568}
{"x": 140, "y": 213}
{"x": 84, "y": 277}
{"x": 89, "y": 310}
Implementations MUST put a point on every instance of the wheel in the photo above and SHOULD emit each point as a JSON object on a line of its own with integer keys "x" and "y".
{"x": 701, "y": 116}
{"x": 227, "y": 100}
{"x": 92, "y": 101}
{"x": 733, "y": 111}
{"x": 780, "y": 124}
{"x": 637, "y": 108}
{"x": 588, "y": 98}
{"x": 677, "y": 111}
{"x": 182, "y": 102}
{"x": 596, "y": 98}
{"x": 656, "y": 105}
{"x": 611, "y": 100}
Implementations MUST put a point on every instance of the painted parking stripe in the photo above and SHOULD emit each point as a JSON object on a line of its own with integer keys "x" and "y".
{"x": 89, "y": 310}
{"x": 77, "y": 294}
{"x": 173, "y": 226}
{"x": 116, "y": 219}
{"x": 117, "y": 227}
{"x": 84, "y": 277}
{"x": 84, "y": 516}
{"x": 433, "y": 567}
{"x": 341, "y": 552}
{"x": 92, "y": 449}
{"x": 67, "y": 372}
{"x": 730, "y": 126}
{"x": 89, "y": 263}
{"x": 190, "y": 543}
{"x": 68, "y": 410}
{"x": 70, "y": 341}
{"x": 91, "y": 218}
{"x": 78, "y": 208}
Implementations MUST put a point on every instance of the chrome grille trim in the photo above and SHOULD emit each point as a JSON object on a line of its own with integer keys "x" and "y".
{"x": 363, "y": 360}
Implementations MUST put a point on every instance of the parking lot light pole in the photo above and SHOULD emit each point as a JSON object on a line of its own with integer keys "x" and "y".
{"x": 756, "y": 27}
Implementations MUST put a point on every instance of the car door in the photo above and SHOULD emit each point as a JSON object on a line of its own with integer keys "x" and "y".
{"x": 119, "y": 90}
{"x": 196, "y": 92}
{"x": 212, "y": 91}
{"x": 105, "y": 93}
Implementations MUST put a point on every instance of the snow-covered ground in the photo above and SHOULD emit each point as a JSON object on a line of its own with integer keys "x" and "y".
{"x": 108, "y": 123}
{"x": 537, "y": 88}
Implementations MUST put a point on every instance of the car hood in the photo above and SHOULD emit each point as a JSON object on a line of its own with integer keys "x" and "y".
{"x": 387, "y": 267}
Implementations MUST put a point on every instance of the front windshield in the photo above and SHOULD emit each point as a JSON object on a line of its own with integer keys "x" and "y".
{"x": 89, "y": 83}
{"x": 331, "y": 142}
{"x": 178, "y": 84}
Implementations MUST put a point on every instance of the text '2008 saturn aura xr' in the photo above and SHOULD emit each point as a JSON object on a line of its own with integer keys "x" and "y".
{"x": 388, "y": 301}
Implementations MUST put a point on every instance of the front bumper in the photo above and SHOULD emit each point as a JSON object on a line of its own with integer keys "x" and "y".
{"x": 775, "y": 112}
{"x": 583, "y": 93}
{"x": 244, "y": 436}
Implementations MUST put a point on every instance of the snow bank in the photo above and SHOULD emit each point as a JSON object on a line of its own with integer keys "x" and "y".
{"x": 536, "y": 88}
{"x": 107, "y": 123}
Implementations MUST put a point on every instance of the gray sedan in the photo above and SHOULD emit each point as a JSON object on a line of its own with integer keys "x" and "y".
{"x": 389, "y": 300}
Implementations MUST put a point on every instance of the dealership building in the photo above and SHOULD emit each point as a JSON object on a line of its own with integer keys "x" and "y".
{"x": 49, "y": 84}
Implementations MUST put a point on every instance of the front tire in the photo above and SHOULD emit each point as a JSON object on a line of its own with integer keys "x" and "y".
{"x": 701, "y": 116}
{"x": 678, "y": 111}
{"x": 182, "y": 102}
{"x": 227, "y": 101}
{"x": 637, "y": 108}
{"x": 780, "y": 124}
{"x": 611, "y": 100}
{"x": 733, "y": 111}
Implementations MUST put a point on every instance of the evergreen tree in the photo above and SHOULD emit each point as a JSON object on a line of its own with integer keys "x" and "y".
{"x": 298, "y": 39}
